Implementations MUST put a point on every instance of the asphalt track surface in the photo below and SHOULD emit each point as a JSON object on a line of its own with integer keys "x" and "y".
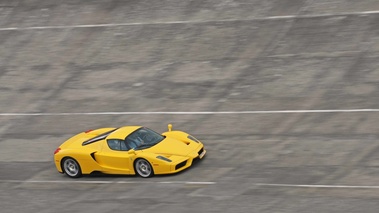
{"x": 284, "y": 94}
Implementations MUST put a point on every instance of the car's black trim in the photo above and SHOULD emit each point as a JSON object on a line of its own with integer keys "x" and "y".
{"x": 93, "y": 156}
{"x": 180, "y": 165}
{"x": 98, "y": 138}
{"x": 200, "y": 151}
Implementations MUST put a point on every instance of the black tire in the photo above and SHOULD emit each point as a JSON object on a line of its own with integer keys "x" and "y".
{"x": 143, "y": 168}
{"x": 71, "y": 167}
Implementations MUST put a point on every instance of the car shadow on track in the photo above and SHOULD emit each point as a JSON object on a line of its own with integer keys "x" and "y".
{"x": 96, "y": 174}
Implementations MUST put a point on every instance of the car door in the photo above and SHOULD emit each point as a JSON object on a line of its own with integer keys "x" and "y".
{"x": 114, "y": 157}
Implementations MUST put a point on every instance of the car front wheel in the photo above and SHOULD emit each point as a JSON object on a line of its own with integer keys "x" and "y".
{"x": 143, "y": 168}
{"x": 71, "y": 168}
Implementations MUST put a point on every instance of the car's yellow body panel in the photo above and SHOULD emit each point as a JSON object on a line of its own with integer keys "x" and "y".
{"x": 91, "y": 151}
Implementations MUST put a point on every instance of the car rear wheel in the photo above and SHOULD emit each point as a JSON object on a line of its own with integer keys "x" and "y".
{"x": 71, "y": 167}
{"x": 143, "y": 168}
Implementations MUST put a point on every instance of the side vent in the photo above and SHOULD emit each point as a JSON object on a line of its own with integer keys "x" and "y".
{"x": 93, "y": 156}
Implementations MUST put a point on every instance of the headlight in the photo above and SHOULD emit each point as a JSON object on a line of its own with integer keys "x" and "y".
{"x": 193, "y": 138}
{"x": 164, "y": 158}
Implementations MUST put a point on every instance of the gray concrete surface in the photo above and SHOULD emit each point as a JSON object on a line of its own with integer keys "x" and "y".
{"x": 194, "y": 56}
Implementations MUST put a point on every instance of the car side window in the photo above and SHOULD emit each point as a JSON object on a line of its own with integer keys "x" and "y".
{"x": 117, "y": 144}
{"x": 114, "y": 144}
{"x": 123, "y": 146}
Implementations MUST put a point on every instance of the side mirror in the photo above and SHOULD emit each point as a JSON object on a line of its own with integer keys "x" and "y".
{"x": 132, "y": 152}
{"x": 169, "y": 127}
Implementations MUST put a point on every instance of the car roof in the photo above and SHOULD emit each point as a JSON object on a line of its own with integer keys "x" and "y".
{"x": 122, "y": 132}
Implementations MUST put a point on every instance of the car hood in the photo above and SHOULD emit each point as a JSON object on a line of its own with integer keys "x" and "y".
{"x": 171, "y": 146}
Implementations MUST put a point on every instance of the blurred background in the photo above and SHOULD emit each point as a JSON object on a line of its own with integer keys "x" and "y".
{"x": 265, "y": 65}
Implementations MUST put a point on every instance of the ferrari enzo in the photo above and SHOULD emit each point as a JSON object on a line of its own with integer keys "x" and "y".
{"x": 127, "y": 150}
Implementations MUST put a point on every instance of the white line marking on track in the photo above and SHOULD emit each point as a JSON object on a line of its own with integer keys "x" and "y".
{"x": 110, "y": 182}
{"x": 183, "y": 22}
{"x": 191, "y": 113}
{"x": 184, "y": 183}
{"x": 317, "y": 186}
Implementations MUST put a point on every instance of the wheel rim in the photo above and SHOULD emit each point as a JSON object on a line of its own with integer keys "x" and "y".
{"x": 71, "y": 167}
{"x": 143, "y": 168}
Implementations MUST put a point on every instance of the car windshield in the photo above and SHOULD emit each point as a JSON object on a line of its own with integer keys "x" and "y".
{"x": 143, "y": 138}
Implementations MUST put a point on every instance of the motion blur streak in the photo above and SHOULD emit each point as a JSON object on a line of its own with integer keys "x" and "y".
{"x": 182, "y": 22}
{"x": 193, "y": 113}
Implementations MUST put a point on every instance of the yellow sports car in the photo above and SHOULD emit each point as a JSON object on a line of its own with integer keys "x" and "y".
{"x": 128, "y": 150}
